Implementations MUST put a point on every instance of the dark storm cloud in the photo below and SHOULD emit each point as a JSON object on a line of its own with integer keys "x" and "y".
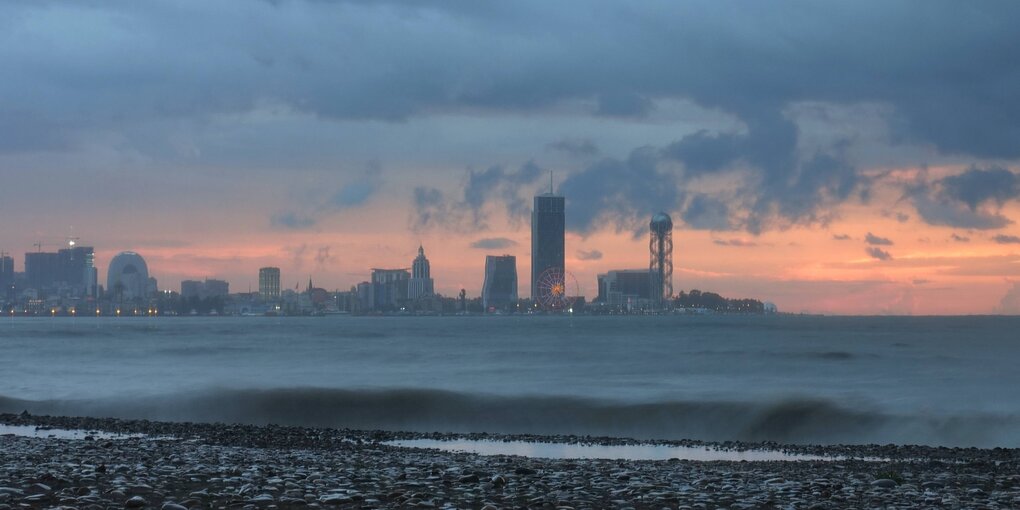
{"x": 896, "y": 215}
{"x": 750, "y": 60}
{"x": 619, "y": 193}
{"x": 623, "y": 104}
{"x": 948, "y": 78}
{"x": 967, "y": 200}
{"x": 705, "y": 212}
{"x": 872, "y": 239}
{"x": 878, "y": 253}
{"x": 290, "y": 220}
{"x": 575, "y": 146}
{"x": 494, "y": 243}
{"x": 781, "y": 190}
{"x": 354, "y": 193}
{"x": 431, "y": 210}
{"x": 497, "y": 182}
{"x": 977, "y": 186}
{"x": 467, "y": 213}
{"x": 1006, "y": 239}
{"x": 949, "y": 214}
{"x": 589, "y": 255}
{"x": 323, "y": 256}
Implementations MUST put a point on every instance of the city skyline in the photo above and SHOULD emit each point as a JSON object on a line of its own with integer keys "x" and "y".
{"x": 851, "y": 159}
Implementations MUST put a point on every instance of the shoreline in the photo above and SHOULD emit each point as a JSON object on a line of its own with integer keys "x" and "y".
{"x": 203, "y": 465}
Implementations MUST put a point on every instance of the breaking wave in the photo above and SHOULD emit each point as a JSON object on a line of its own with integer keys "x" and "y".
{"x": 792, "y": 420}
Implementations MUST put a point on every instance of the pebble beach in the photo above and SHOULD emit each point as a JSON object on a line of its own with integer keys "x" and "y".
{"x": 173, "y": 466}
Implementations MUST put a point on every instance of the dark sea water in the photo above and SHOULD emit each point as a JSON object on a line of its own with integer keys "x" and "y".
{"x": 926, "y": 380}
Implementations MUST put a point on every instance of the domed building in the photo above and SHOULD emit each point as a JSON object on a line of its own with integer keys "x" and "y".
{"x": 128, "y": 276}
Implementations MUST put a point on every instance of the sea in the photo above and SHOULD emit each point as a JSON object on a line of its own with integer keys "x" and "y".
{"x": 949, "y": 381}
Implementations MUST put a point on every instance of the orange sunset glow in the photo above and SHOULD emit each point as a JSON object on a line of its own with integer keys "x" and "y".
{"x": 854, "y": 189}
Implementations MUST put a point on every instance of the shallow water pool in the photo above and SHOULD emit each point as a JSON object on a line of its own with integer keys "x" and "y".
{"x": 610, "y": 452}
{"x": 33, "y": 431}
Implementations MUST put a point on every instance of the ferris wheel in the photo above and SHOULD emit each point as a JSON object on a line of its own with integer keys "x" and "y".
{"x": 557, "y": 289}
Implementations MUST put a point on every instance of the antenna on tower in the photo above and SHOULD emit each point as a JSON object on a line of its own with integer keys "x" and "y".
{"x": 550, "y": 182}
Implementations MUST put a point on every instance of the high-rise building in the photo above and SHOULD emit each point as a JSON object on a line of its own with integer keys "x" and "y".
{"x": 78, "y": 269}
{"x": 191, "y": 289}
{"x": 499, "y": 289}
{"x": 71, "y": 271}
{"x": 420, "y": 285}
{"x": 209, "y": 288}
{"x": 631, "y": 287}
{"x": 269, "y": 283}
{"x": 213, "y": 288}
{"x": 660, "y": 253}
{"x": 389, "y": 288}
{"x": 547, "y": 237}
{"x": 364, "y": 292}
{"x": 6, "y": 277}
{"x": 42, "y": 269}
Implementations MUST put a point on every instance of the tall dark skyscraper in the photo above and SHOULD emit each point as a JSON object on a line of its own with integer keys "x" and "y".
{"x": 77, "y": 269}
{"x": 42, "y": 269}
{"x": 6, "y": 276}
{"x": 499, "y": 290}
{"x": 547, "y": 231}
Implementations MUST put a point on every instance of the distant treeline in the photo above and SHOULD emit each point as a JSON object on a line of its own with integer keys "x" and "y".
{"x": 715, "y": 302}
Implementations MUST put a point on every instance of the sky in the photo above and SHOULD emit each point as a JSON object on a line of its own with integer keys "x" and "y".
{"x": 829, "y": 157}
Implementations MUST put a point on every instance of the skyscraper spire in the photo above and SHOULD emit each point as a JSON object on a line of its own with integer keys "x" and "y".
{"x": 421, "y": 284}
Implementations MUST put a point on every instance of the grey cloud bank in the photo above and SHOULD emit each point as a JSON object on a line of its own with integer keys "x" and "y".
{"x": 872, "y": 239}
{"x": 493, "y": 243}
{"x": 878, "y": 253}
{"x": 971, "y": 199}
{"x": 81, "y": 72}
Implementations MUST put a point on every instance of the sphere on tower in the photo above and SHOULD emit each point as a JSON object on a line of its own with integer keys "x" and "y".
{"x": 660, "y": 253}
{"x": 661, "y": 223}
